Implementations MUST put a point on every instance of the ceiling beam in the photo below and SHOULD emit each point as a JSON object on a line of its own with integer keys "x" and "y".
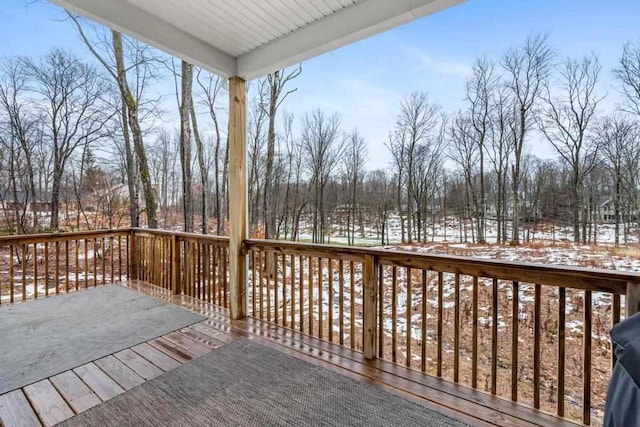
{"x": 135, "y": 22}
{"x": 363, "y": 19}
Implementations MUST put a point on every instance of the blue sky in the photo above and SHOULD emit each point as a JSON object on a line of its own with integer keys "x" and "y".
{"x": 366, "y": 81}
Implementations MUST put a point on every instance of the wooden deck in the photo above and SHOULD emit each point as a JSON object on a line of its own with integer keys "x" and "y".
{"x": 57, "y": 398}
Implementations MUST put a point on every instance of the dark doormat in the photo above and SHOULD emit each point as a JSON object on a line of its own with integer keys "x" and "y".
{"x": 247, "y": 384}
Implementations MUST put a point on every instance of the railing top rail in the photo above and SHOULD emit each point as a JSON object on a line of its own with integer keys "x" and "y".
{"x": 598, "y": 280}
{"x": 53, "y": 237}
{"x": 182, "y": 234}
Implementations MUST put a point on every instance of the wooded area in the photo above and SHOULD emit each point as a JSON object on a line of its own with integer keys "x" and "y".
{"x": 99, "y": 144}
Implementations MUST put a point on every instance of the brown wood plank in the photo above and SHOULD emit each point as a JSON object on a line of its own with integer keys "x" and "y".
{"x": 408, "y": 307}
{"x": 15, "y": 410}
{"x": 47, "y": 403}
{"x": 179, "y": 353}
{"x": 119, "y": 372}
{"x": 158, "y": 358}
{"x": 515, "y": 319}
{"x": 456, "y": 331}
{"x": 394, "y": 314}
{"x": 187, "y": 343}
{"x": 586, "y": 360}
{"x": 494, "y": 337}
{"x": 98, "y": 381}
{"x": 474, "y": 338}
{"x": 537, "y": 352}
{"x": 139, "y": 364}
{"x": 562, "y": 304}
{"x": 74, "y": 391}
{"x": 200, "y": 338}
{"x": 440, "y": 323}
{"x": 212, "y": 333}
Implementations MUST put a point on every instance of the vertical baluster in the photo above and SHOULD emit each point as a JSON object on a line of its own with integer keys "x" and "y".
{"x": 274, "y": 270}
{"x": 394, "y": 314}
{"x": 292, "y": 261}
{"x": 77, "y": 266}
{"x": 440, "y": 321}
{"x": 380, "y": 311}
{"x": 24, "y": 272}
{"x": 284, "y": 290}
{"x": 253, "y": 283}
{"x": 310, "y": 295}
{"x": 562, "y": 301}
{"x": 103, "y": 258}
{"x": 35, "y": 271}
{"x": 46, "y": 269}
{"x": 301, "y": 280}
{"x": 66, "y": 262}
{"x": 320, "y": 303}
{"x": 408, "y": 322}
{"x": 268, "y": 268}
{"x": 119, "y": 259}
{"x": 537, "y": 355}
{"x": 494, "y": 336}
{"x": 474, "y": 338}
{"x": 11, "y": 281}
{"x": 515, "y": 323}
{"x": 57, "y": 267}
{"x": 423, "y": 338}
{"x": 261, "y": 273}
{"x": 111, "y": 250}
{"x": 586, "y": 365}
{"x": 456, "y": 333}
{"x": 615, "y": 319}
{"x": 225, "y": 287}
{"x": 129, "y": 255}
{"x": 86, "y": 263}
{"x": 352, "y": 305}
{"x": 341, "y": 299}
{"x": 331, "y": 297}
{"x": 198, "y": 274}
{"x": 95, "y": 262}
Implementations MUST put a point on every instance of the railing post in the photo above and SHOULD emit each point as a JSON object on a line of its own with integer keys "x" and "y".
{"x": 632, "y": 298}
{"x": 370, "y": 280}
{"x": 133, "y": 256}
{"x": 237, "y": 198}
{"x": 176, "y": 286}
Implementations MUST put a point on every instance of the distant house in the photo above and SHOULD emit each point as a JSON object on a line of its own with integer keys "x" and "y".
{"x": 21, "y": 202}
{"x": 607, "y": 213}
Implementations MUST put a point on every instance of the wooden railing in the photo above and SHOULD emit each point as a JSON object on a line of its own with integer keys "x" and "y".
{"x": 190, "y": 264}
{"x": 511, "y": 329}
{"x": 36, "y": 266}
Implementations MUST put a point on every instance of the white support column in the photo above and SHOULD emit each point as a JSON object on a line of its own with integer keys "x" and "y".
{"x": 237, "y": 197}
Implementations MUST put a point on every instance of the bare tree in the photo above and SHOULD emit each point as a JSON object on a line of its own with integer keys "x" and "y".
{"x": 528, "y": 68}
{"x": 628, "y": 75}
{"x": 480, "y": 92}
{"x": 619, "y": 138}
{"x": 211, "y": 87}
{"x": 276, "y": 82}
{"x": 354, "y": 166}
{"x": 567, "y": 111}
{"x": 130, "y": 108}
{"x": 502, "y": 128}
{"x": 323, "y": 146}
{"x": 69, "y": 95}
{"x": 418, "y": 118}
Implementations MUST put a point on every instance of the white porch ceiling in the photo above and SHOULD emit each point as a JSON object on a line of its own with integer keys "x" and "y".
{"x": 250, "y": 38}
